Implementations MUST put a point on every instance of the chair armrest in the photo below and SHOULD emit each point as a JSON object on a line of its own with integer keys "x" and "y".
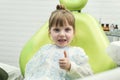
{"x": 113, "y": 74}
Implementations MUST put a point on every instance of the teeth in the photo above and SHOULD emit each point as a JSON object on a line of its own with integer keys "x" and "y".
{"x": 62, "y": 40}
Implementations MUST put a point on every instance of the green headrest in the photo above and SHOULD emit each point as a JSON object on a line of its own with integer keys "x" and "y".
{"x": 74, "y": 5}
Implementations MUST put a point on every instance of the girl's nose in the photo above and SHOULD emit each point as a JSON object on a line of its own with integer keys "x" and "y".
{"x": 62, "y": 33}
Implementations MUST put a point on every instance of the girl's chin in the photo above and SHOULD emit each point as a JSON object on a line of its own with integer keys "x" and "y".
{"x": 61, "y": 45}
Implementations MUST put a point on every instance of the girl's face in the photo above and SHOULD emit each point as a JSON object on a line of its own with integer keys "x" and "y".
{"x": 62, "y": 36}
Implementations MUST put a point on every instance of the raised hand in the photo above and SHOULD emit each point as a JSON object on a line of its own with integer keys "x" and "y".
{"x": 64, "y": 63}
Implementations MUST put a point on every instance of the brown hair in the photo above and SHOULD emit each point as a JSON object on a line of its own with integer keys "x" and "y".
{"x": 60, "y": 17}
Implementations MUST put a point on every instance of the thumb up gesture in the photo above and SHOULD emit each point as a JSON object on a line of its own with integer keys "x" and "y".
{"x": 64, "y": 62}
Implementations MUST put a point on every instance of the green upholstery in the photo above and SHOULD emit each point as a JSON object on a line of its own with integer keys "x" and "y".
{"x": 74, "y": 5}
{"x": 89, "y": 35}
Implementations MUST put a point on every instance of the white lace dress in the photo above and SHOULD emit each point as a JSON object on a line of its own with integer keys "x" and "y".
{"x": 45, "y": 64}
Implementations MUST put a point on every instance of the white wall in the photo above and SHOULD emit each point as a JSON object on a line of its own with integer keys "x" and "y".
{"x": 106, "y": 11}
{"x": 20, "y": 19}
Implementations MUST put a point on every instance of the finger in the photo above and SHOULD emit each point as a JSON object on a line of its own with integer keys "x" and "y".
{"x": 62, "y": 67}
{"x": 61, "y": 59}
{"x": 62, "y": 62}
{"x": 65, "y": 54}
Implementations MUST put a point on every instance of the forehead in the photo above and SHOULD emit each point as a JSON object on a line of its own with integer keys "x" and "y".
{"x": 62, "y": 27}
{"x": 61, "y": 22}
{"x": 61, "y": 19}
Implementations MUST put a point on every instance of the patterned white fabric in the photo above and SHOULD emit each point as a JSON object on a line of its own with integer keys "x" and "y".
{"x": 114, "y": 51}
{"x": 45, "y": 64}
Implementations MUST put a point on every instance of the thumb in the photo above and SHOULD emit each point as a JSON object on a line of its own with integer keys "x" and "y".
{"x": 65, "y": 54}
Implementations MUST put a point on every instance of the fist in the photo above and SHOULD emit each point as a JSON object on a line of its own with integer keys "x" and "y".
{"x": 64, "y": 63}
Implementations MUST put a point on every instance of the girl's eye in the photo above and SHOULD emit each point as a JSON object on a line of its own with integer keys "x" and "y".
{"x": 67, "y": 29}
{"x": 56, "y": 30}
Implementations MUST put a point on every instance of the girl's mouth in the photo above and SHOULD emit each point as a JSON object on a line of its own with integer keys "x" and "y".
{"x": 62, "y": 40}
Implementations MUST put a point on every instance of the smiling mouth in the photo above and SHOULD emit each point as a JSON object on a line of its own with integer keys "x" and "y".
{"x": 62, "y": 40}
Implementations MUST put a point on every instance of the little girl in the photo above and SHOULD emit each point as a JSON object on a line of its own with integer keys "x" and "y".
{"x": 59, "y": 61}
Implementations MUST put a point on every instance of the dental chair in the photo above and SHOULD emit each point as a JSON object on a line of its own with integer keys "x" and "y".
{"x": 3, "y": 74}
{"x": 89, "y": 35}
{"x": 9, "y": 72}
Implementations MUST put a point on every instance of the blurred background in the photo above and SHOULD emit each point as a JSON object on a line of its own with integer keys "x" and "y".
{"x": 20, "y": 19}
